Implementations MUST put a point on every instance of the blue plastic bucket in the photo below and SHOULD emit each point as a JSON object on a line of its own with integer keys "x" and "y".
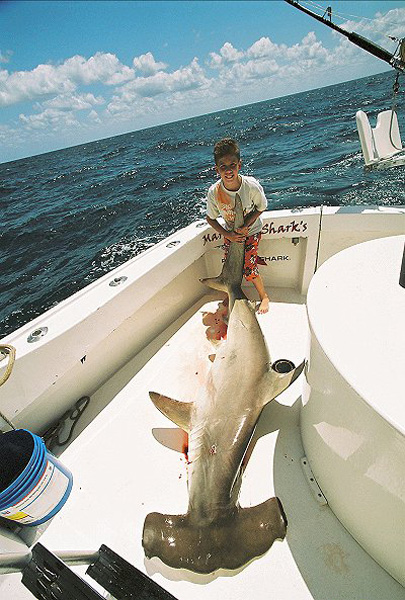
{"x": 42, "y": 487}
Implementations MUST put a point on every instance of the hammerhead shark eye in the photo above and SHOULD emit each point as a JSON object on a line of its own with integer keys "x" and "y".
{"x": 283, "y": 365}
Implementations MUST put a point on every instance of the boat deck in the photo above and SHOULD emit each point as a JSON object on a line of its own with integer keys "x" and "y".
{"x": 125, "y": 465}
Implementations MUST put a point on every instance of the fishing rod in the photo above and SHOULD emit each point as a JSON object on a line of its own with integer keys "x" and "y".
{"x": 395, "y": 60}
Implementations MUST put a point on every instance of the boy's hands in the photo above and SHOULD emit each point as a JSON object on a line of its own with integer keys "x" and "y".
{"x": 243, "y": 230}
{"x": 236, "y": 236}
{"x": 239, "y": 235}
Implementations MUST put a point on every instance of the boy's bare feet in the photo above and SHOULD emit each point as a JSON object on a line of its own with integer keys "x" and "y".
{"x": 264, "y": 306}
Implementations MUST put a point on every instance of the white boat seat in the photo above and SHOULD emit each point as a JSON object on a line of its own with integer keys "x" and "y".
{"x": 380, "y": 144}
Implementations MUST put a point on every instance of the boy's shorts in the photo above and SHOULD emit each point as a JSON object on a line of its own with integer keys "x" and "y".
{"x": 250, "y": 270}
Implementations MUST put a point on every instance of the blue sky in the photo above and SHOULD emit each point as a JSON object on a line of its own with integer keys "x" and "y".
{"x": 73, "y": 72}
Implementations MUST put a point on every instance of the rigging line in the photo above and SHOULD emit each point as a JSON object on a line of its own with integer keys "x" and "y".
{"x": 343, "y": 16}
{"x": 395, "y": 90}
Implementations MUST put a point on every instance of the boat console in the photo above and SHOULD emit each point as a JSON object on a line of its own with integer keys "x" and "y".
{"x": 353, "y": 417}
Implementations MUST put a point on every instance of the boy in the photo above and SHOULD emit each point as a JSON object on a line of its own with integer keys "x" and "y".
{"x": 221, "y": 201}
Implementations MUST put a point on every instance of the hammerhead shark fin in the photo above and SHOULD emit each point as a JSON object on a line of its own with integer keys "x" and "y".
{"x": 276, "y": 382}
{"x": 176, "y": 411}
{"x": 216, "y": 283}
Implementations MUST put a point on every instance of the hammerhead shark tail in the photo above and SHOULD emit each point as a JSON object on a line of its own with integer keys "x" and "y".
{"x": 226, "y": 544}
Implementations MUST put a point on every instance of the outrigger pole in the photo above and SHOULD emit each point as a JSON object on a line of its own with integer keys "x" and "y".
{"x": 395, "y": 61}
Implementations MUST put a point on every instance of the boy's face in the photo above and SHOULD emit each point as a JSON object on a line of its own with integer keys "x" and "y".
{"x": 228, "y": 168}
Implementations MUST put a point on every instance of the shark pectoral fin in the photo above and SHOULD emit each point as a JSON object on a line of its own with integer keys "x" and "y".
{"x": 217, "y": 283}
{"x": 277, "y": 382}
{"x": 171, "y": 437}
{"x": 228, "y": 543}
{"x": 176, "y": 411}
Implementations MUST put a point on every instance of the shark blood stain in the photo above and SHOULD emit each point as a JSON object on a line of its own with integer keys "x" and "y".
{"x": 185, "y": 450}
{"x": 217, "y": 327}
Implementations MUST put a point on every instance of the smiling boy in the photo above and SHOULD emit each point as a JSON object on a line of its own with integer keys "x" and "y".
{"x": 221, "y": 202}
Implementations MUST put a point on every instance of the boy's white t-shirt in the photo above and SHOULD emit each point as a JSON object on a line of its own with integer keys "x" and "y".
{"x": 221, "y": 202}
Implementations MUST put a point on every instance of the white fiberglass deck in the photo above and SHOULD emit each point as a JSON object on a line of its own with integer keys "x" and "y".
{"x": 121, "y": 473}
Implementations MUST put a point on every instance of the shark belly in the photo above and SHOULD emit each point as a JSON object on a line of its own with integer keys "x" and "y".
{"x": 216, "y": 532}
{"x": 216, "y": 451}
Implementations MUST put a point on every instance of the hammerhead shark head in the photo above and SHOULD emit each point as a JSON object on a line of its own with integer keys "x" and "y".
{"x": 216, "y": 532}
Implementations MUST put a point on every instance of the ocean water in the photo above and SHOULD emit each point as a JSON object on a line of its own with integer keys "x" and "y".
{"x": 70, "y": 216}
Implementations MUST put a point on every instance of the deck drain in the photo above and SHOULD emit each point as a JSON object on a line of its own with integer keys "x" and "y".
{"x": 283, "y": 365}
{"x": 172, "y": 244}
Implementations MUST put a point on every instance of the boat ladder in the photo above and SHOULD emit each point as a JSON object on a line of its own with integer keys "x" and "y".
{"x": 48, "y": 577}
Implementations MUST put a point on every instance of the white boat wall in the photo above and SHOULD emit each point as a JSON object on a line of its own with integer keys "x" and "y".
{"x": 127, "y": 317}
{"x": 94, "y": 332}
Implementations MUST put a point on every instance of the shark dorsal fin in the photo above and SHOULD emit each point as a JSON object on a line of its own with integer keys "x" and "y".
{"x": 176, "y": 411}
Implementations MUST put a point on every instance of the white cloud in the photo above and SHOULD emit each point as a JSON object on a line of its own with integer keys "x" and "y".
{"x": 185, "y": 78}
{"x": 182, "y": 80}
{"x": 265, "y": 48}
{"x": 309, "y": 48}
{"x": 147, "y": 92}
{"x": 50, "y": 120}
{"x": 5, "y": 132}
{"x": 74, "y": 101}
{"x": 227, "y": 54}
{"x": 62, "y": 79}
{"x": 94, "y": 117}
{"x": 28, "y": 85}
{"x": 102, "y": 67}
{"x": 147, "y": 64}
{"x": 377, "y": 30}
{"x": 265, "y": 60}
{"x": 240, "y": 73}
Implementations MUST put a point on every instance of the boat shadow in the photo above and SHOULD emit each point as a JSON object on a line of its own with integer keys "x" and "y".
{"x": 331, "y": 563}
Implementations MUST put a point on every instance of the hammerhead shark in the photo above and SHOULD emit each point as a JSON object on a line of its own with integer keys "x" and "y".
{"x": 230, "y": 280}
{"x": 216, "y": 532}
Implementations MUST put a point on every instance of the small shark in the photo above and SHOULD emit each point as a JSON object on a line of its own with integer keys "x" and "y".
{"x": 230, "y": 279}
{"x": 216, "y": 532}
